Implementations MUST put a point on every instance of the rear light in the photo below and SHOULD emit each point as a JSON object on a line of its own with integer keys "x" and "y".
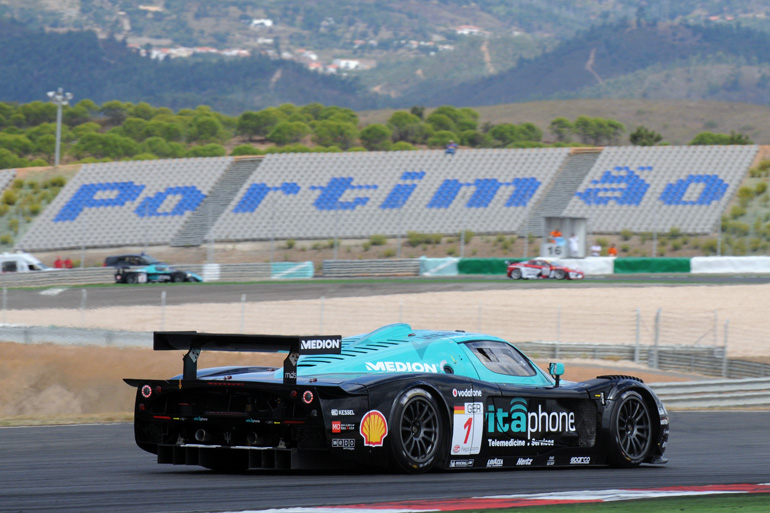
{"x": 146, "y": 391}
{"x": 141, "y": 407}
{"x": 307, "y": 397}
{"x": 158, "y": 389}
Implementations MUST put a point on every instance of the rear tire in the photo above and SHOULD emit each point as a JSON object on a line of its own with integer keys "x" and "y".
{"x": 418, "y": 431}
{"x": 132, "y": 278}
{"x": 559, "y": 274}
{"x": 630, "y": 431}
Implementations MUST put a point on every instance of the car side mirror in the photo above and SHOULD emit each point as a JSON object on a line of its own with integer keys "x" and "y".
{"x": 556, "y": 370}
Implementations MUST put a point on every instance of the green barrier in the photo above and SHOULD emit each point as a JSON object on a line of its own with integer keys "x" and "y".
{"x": 485, "y": 265}
{"x": 631, "y": 265}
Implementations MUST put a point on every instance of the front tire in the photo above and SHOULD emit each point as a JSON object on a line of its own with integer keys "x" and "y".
{"x": 418, "y": 431}
{"x": 630, "y": 431}
{"x": 516, "y": 274}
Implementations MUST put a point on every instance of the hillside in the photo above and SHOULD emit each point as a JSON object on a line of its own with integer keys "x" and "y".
{"x": 105, "y": 69}
{"x": 614, "y": 52}
{"x": 243, "y": 54}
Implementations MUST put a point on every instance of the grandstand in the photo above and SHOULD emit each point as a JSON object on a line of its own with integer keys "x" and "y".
{"x": 647, "y": 189}
{"x": 354, "y": 195}
{"x": 125, "y": 203}
{"x": 186, "y": 202}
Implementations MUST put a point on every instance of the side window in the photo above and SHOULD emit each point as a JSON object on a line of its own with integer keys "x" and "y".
{"x": 501, "y": 358}
{"x": 10, "y": 267}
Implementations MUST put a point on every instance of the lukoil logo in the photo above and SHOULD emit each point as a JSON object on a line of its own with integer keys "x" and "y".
{"x": 518, "y": 419}
{"x": 495, "y": 462}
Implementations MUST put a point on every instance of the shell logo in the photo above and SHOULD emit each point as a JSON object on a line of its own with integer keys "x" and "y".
{"x": 374, "y": 428}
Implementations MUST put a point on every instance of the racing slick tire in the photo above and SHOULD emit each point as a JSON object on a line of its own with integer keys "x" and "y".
{"x": 132, "y": 278}
{"x": 559, "y": 274}
{"x": 177, "y": 277}
{"x": 418, "y": 431}
{"x": 630, "y": 431}
{"x": 515, "y": 274}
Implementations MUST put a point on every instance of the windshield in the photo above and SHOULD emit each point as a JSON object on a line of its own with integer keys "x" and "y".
{"x": 501, "y": 358}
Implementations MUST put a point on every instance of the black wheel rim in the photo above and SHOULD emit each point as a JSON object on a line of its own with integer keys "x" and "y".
{"x": 634, "y": 428}
{"x": 419, "y": 430}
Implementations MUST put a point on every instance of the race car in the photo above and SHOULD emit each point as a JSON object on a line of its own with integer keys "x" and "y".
{"x": 154, "y": 273}
{"x": 541, "y": 268}
{"x": 400, "y": 398}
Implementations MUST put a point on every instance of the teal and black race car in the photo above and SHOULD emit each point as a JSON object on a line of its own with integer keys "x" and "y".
{"x": 154, "y": 273}
{"x": 414, "y": 400}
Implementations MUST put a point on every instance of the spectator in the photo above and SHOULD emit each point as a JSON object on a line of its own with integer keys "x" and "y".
{"x": 596, "y": 249}
{"x": 58, "y": 264}
{"x": 574, "y": 246}
{"x": 613, "y": 251}
{"x": 555, "y": 236}
{"x": 68, "y": 263}
{"x": 451, "y": 148}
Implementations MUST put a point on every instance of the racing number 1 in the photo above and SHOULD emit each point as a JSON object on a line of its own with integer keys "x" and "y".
{"x": 467, "y": 426}
{"x": 466, "y": 433}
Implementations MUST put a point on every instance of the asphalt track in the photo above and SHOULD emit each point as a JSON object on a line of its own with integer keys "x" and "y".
{"x": 185, "y": 293}
{"x": 97, "y": 468}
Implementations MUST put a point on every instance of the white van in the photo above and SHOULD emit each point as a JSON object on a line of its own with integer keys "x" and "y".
{"x": 20, "y": 262}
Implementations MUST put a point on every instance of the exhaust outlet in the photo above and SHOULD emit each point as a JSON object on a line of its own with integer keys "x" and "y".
{"x": 202, "y": 436}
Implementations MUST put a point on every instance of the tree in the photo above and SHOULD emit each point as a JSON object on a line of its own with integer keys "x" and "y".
{"x": 375, "y": 137}
{"x": 440, "y": 122}
{"x": 561, "y": 128}
{"x": 418, "y": 110}
{"x": 643, "y": 136}
{"x": 710, "y": 138}
{"x": 110, "y": 145}
{"x": 134, "y": 128}
{"x": 246, "y": 149}
{"x": 205, "y": 128}
{"x": 334, "y": 133}
{"x": 440, "y": 139}
{"x": 209, "y": 150}
{"x": 597, "y": 131}
{"x": 115, "y": 111}
{"x": 406, "y": 127}
{"x": 287, "y": 132}
{"x": 260, "y": 123}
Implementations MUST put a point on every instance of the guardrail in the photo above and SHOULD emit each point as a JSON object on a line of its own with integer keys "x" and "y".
{"x": 386, "y": 267}
{"x": 723, "y": 393}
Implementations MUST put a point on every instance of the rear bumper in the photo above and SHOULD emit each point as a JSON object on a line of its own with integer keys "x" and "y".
{"x": 248, "y": 458}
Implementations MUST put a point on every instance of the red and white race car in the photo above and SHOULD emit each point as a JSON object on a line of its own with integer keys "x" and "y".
{"x": 540, "y": 268}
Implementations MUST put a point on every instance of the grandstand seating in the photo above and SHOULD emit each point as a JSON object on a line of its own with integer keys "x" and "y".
{"x": 125, "y": 203}
{"x": 354, "y": 195}
{"x": 359, "y": 194}
{"x": 6, "y": 177}
{"x": 656, "y": 189}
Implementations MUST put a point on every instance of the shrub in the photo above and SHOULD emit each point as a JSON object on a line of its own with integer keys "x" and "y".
{"x": 378, "y": 240}
{"x": 626, "y": 234}
{"x": 709, "y": 247}
{"x": 468, "y": 236}
{"x": 366, "y": 245}
{"x": 451, "y": 252}
{"x": 674, "y": 233}
{"x": 34, "y": 209}
{"x": 18, "y": 183}
{"x": 10, "y": 197}
{"x": 760, "y": 188}
{"x": 13, "y": 225}
{"x": 389, "y": 253}
{"x": 737, "y": 211}
{"x": 624, "y": 248}
{"x": 416, "y": 238}
{"x": 676, "y": 246}
{"x": 290, "y": 243}
{"x": 6, "y": 239}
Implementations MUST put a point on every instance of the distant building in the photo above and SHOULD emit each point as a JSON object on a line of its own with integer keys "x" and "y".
{"x": 469, "y": 30}
{"x": 264, "y": 22}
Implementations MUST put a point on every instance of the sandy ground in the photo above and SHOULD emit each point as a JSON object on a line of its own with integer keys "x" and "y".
{"x": 61, "y": 383}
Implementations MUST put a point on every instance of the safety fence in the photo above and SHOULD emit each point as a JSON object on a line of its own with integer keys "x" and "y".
{"x": 740, "y": 393}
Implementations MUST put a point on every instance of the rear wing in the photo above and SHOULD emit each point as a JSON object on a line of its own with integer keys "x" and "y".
{"x": 194, "y": 342}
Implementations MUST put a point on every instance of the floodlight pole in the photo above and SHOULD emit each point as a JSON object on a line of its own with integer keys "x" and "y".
{"x": 60, "y": 99}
